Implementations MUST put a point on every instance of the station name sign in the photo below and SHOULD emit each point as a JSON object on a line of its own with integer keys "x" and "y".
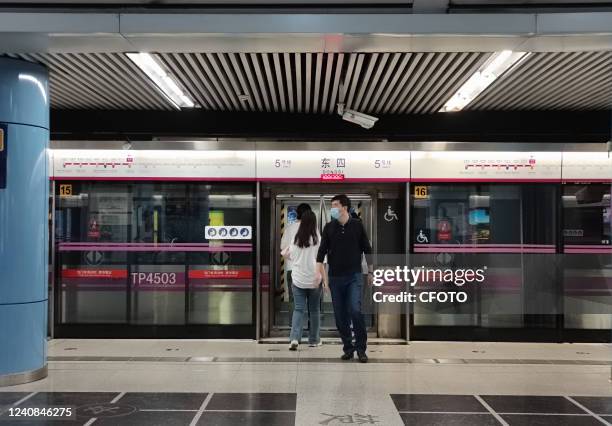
{"x": 330, "y": 166}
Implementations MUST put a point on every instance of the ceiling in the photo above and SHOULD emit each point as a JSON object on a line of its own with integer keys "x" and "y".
{"x": 376, "y": 83}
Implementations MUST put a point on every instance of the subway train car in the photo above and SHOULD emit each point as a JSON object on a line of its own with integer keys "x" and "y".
{"x": 179, "y": 239}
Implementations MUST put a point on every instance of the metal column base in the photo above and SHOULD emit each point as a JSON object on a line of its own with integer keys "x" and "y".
{"x": 25, "y": 377}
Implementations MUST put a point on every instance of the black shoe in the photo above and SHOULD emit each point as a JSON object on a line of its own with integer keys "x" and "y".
{"x": 363, "y": 358}
{"x": 346, "y": 357}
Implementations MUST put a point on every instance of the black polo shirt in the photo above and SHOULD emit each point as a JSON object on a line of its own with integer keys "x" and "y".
{"x": 344, "y": 245}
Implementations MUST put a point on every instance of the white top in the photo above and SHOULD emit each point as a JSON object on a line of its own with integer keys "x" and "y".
{"x": 304, "y": 260}
{"x": 287, "y": 239}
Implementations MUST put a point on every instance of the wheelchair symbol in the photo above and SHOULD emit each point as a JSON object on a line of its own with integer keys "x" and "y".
{"x": 422, "y": 238}
{"x": 390, "y": 215}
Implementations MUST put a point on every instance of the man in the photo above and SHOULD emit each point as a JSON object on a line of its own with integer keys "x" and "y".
{"x": 344, "y": 241}
{"x": 287, "y": 239}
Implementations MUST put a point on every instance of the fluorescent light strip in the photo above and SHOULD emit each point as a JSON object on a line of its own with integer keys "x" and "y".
{"x": 162, "y": 79}
{"x": 497, "y": 64}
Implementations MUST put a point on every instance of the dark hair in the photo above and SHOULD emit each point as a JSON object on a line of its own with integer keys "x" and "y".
{"x": 344, "y": 201}
{"x": 301, "y": 209}
{"x": 307, "y": 230}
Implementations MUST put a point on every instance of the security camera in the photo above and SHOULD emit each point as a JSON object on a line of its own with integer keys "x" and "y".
{"x": 364, "y": 120}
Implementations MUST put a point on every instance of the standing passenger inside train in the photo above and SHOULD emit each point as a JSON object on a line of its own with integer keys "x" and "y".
{"x": 287, "y": 240}
{"x": 345, "y": 241}
{"x": 306, "y": 279}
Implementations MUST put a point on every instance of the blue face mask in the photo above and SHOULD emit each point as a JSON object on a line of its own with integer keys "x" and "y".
{"x": 334, "y": 212}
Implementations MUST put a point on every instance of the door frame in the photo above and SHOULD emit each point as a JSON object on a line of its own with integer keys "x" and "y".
{"x": 322, "y": 196}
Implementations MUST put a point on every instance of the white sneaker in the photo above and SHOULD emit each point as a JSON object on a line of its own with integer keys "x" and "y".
{"x": 294, "y": 345}
{"x": 314, "y": 345}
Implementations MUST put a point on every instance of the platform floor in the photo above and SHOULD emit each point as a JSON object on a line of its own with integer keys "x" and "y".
{"x": 178, "y": 382}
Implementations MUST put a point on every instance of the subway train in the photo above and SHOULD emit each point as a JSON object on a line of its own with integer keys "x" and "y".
{"x": 180, "y": 239}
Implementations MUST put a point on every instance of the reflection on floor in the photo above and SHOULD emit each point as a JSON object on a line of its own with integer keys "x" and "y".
{"x": 279, "y": 409}
{"x": 149, "y": 382}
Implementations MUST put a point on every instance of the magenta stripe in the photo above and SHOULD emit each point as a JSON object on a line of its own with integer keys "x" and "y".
{"x": 86, "y": 244}
{"x": 595, "y": 246}
{"x": 450, "y": 180}
{"x": 587, "y": 251}
{"x": 486, "y": 245}
{"x": 226, "y": 179}
{"x": 292, "y": 179}
{"x": 482, "y": 250}
{"x": 588, "y": 180}
{"x": 157, "y": 248}
{"x": 165, "y": 179}
{"x": 319, "y": 179}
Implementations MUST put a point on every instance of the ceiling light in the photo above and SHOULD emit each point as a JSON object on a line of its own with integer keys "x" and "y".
{"x": 497, "y": 64}
{"x": 164, "y": 81}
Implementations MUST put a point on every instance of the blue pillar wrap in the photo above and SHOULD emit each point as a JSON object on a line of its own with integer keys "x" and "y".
{"x": 24, "y": 209}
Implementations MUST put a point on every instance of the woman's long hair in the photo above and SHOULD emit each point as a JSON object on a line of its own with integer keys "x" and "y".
{"x": 307, "y": 232}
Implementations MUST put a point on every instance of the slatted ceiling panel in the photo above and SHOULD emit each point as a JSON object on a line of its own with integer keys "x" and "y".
{"x": 375, "y": 83}
{"x": 336, "y": 84}
{"x": 464, "y": 65}
{"x": 98, "y": 81}
{"x": 71, "y": 88}
{"x": 574, "y": 80}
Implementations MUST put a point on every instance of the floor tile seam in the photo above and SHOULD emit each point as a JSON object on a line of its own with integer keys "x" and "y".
{"x": 491, "y": 410}
{"x": 167, "y": 410}
{"x": 16, "y": 403}
{"x": 582, "y": 407}
{"x": 200, "y": 412}
{"x": 488, "y": 413}
{"x": 249, "y": 411}
{"x": 92, "y": 420}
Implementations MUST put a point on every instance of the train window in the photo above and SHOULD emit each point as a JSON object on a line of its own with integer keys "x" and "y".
{"x": 586, "y": 214}
{"x": 453, "y": 214}
{"x": 587, "y": 273}
{"x": 509, "y": 229}
{"x": 137, "y": 253}
{"x": 477, "y": 214}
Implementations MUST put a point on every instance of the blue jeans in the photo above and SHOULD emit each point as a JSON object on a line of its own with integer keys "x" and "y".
{"x": 301, "y": 296}
{"x": 346, "y": 298}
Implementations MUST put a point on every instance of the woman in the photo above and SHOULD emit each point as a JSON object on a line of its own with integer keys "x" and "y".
{"x": 306, "y": 279}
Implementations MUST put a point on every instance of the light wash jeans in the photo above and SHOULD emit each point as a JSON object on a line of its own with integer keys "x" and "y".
{"x": 301, "y": 296}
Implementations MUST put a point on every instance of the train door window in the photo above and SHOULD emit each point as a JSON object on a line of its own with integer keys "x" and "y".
{"x": 587, "y": 265}
{"x": 158, "y": 235}
{"x": 92, "y": 229}
{"x": 221, "y": 274}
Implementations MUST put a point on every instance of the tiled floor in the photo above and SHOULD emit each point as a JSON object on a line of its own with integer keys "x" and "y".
{"x": 501, "y": 410}
{"x": 241, "y": 382}
{"x": 156, "y": 408}
{"x": 279, "y": 409}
